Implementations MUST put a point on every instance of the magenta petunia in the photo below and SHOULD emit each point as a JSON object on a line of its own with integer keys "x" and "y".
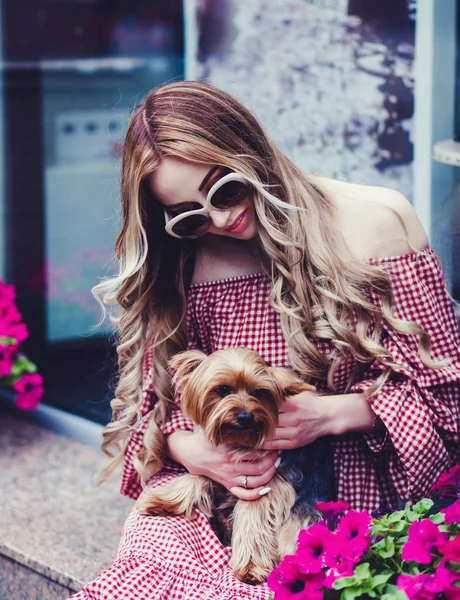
{"x": 424, "y": 539}
{"x": 313, "y": 586}
{"x": 451, "y": 550}
{"x": 29, "y": 391}
{"x": 426, "y": 586}
{"x": 289, "y": 584}
{"x": 343, "y": 567}
{"x": 355, "y": 528}
{"x": 18, "y": 331}
{"x": 11, "y": 324}
{"x": 315, "y": 548}
{"x": 448, "y": 579}
{"x": 452, "y": 513}
{"x": 419, "y": 587}
{"x": 330, "y": 510}
{"x": 7, "y": 355}
{"x": 9, "y": 313}
{"x": 7, "y": 294}
{"x": 449, "y": 481}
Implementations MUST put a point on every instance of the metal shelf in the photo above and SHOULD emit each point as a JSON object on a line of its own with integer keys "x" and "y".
{"x": 447, "y": 152}
{"x": 91, "y": 65}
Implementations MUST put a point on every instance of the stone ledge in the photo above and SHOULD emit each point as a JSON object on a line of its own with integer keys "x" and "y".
{"x": 18, "y": 582}
{"x": 55, "y": 521}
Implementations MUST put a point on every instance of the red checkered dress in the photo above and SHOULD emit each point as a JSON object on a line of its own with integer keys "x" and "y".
{"x": 172, "y": 558}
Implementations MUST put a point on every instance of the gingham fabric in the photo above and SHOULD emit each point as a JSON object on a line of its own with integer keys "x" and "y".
{"x": 172, "y": 558}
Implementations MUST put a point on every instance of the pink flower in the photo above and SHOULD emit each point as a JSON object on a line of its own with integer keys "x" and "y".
{"x": 427, "y": 587}
{"x": 313, "y": 546}
{"x": 18, "y": 331}
{"x": 424, "y": 538}
{"x": 7, "y": 354}
{"x": 452, "y": 513}
{"x": 451, "y": 550}
{"x": 9, "y": 313}
{"x": 449, "y": 482}
{"x": 11, "y": 325}
{"x": 343, "y": 567}
{"x": 7, "y": 294}
{"x": 419, "y": 587}
{"x": 29, "y": 391}
{"x": 289, "y": 584}
{"x": 449, "y": 579}
{"x": 355, "y": 528}
{"x": 331, "y": 510}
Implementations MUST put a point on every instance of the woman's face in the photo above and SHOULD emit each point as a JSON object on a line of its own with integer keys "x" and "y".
{"x": 182, "y": 186}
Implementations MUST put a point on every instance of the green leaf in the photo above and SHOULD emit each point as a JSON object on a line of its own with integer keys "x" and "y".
{"x": 345, "y": 582}
{"x": 352, "y": 593}
{"x": 423, "y": 506}
{"x": 396, "y": 516}
{"x": 362, "y": 571}
{"x": 379, "y": 530}
{"x": 437, "y": 518}
{"x": 397, "y": 595}
{"x": 413, "y": 516}
{"x": 399, "y": 527}
{"x": 388, "y": 549}
{"x": 382, "y": 577}
{"x": 22, "y": 365}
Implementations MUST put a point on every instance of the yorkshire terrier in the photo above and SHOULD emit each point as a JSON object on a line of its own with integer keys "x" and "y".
{"x": 235, "y": 397}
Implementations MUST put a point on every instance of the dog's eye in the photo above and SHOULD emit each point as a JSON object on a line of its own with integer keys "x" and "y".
{"x": 258, "y": 393}
{"x": 223, "y": 390}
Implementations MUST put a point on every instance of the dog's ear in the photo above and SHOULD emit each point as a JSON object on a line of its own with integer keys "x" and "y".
{"x": 184, "y": 363}
{"x": 289, "y": 383}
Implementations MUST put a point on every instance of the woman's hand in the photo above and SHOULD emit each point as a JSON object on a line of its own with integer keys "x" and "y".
{"x": 199, "y": 457}
{"x": 307, "y": 416}
{"x": 302, "y": 419}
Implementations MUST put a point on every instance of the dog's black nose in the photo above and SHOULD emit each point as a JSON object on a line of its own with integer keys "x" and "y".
{"x": 245, "y": 419}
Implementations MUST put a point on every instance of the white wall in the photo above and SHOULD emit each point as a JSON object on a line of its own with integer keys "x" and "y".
{"x": 434, "y": 108}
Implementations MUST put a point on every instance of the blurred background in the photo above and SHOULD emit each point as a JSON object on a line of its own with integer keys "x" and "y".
{"x": 359, "y": 90}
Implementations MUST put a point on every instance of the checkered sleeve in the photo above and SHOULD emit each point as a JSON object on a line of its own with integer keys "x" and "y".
{"x": 419, "y": 406}
{"x": 170, "y": 558}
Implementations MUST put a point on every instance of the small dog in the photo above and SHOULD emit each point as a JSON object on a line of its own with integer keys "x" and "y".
{"x": 234, "y": 396}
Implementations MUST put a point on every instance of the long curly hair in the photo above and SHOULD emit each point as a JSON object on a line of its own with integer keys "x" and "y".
{"x": 319, "y": 293}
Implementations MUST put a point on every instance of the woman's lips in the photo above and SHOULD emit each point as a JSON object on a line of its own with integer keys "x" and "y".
{"x": 240, "y": 224}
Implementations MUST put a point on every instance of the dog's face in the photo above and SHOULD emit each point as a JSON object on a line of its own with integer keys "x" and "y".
{"x": 231, "y": 394}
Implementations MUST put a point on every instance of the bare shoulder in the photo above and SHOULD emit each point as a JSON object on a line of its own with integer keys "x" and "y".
{"x": 375, "y": 221}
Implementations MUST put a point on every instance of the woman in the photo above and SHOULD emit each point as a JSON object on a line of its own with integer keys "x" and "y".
{"x": 225, "y": 242}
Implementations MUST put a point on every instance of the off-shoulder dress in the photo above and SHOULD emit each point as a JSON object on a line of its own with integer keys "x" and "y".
{"x": 176, "y": 559}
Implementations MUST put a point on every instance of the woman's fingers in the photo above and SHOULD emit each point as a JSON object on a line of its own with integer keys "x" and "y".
{"x": 256, "y": 481}
{"x": 279, "y": 444}
{"x": 257, "y": 468}
{"x": 251, "y": 494}
{"x": 248, "y": 487}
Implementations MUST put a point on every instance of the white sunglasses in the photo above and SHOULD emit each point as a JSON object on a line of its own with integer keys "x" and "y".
{"x": 225, "y": 194}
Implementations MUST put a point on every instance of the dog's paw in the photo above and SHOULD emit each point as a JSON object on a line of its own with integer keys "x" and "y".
{"x": 154, "y": 505}
{"x": 253, "y": 574}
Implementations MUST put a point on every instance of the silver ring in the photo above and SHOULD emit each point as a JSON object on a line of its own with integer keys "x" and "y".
{"x": 245, "y": 482}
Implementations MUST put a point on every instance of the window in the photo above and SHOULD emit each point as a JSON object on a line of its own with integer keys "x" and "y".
{"x": 73, "y": 71}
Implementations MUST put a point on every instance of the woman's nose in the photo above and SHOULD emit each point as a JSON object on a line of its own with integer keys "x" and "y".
{"x": 220, "y": 218}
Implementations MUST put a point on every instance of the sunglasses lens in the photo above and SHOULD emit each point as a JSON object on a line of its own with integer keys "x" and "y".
{"x": 229, "y": 195}
{"x": 193, "y": 226}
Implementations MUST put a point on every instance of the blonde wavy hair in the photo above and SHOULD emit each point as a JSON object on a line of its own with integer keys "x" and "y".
{"x": 319, "y": 294}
